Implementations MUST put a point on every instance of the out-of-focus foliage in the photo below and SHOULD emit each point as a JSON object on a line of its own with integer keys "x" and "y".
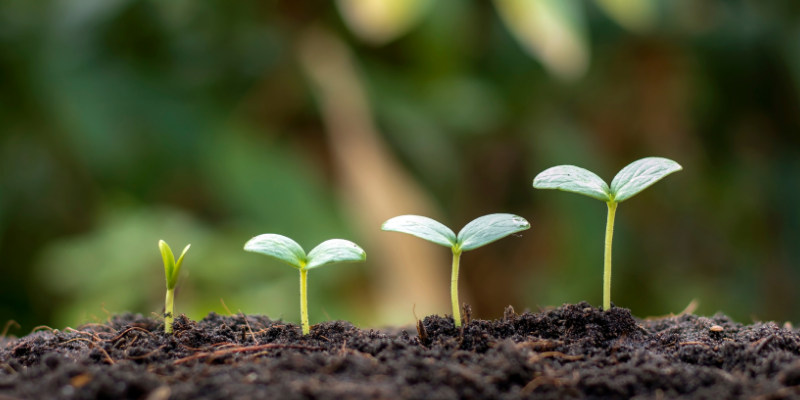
{"x": 123, "y": 122}
{"x": 553, "y": 31}
{"x": 380, "y": 21}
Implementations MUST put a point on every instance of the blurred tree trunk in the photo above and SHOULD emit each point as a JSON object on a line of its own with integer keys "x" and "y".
{"x": 408, "y": 272}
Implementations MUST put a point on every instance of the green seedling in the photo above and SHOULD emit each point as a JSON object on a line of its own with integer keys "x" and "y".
{"x": 479, "y": 232}
{"x": 172, "y": 269}
{"x": 631, "y": 180}
{"x": 287, "y": 250}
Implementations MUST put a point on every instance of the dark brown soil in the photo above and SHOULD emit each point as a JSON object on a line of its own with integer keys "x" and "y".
{"x": 575, "y": 351}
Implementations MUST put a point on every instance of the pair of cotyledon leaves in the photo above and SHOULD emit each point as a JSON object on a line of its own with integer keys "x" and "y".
{"x": 288, "y": 251}
{"x": 637, "y": 176}
{"x": 479, "y": 232}
{"x": 631, "y": 180}
{"x": 172, "y": 268}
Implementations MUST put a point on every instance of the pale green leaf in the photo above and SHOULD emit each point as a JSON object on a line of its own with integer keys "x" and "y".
{"x": 169, "y": 263}
{"x": 639, "y": 175}
{"x": 279, "y": 247}
{"x": 179, "y": 263}
{"x": 334, "y": 251}
{"x": 422, "y": 227}
{"x": 489, "y": 228}
{"x": 570, "y": 178}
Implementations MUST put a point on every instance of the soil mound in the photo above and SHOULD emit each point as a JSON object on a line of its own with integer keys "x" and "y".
{"x": 575, "y": 352}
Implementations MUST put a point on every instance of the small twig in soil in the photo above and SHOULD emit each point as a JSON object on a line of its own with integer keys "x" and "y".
{"x": 42, "y": 327}
{"x": 103, "y": 307}
{"x": 555, "y": 354}
{"x": 539, "y": 381}
{"x": 243, "y": 349}
{"x": 690, "y": 309}
{"x": 77, "y": 339}
{"x": 108, "y": 357}
{"x": 691, "y": 343}
{"x": 8, "y": 325}
{"x": 225, "y": 307}
{"x": 8, "y": 369}
{"x": 146, "y": 355}
{"x": 545, "y": 344}
{"x": 248, "y": 327}
{"x": 68, "y": 329}
{"x": 128, "y": 330}
{"x": 763, "y": 342}
{"x": 100, "y": 325}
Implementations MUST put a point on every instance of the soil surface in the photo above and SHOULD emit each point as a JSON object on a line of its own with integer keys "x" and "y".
{"x": 572, "y": 352}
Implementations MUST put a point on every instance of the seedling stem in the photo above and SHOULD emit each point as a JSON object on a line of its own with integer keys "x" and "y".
{"x": 168, "y": 310}
{"x": 454, "y": 288}
{"x": 304, "y": 300}
{"x": 612, "y": 211}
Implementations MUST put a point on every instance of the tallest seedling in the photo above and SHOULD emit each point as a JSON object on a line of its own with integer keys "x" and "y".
{"x": 634, "y": 178}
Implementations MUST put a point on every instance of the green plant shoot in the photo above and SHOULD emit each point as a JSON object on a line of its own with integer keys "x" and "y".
{"x": 479, "y": 232}
{"x": 631, "y": 180}
{"x": 287, "y": 250}
{"x": 172, "y": 269}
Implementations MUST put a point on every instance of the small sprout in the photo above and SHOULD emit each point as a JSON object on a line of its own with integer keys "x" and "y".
{"x": 716, "y": 329}
{"x": 171, "y": 269}
{"x": 631, "y": 180}
{"x": 287, "y": 250}
{"x": 479, "y": 232}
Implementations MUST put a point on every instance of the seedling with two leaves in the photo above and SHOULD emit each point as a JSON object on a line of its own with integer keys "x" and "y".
{"x": 479, "y": 232}
{"x": 631, "y": 180}
{"x": 172, "y": 269}
{"x": 288, "y": 251}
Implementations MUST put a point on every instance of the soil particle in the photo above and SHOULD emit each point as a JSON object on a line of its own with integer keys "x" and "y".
{"x": 572, "y": 352}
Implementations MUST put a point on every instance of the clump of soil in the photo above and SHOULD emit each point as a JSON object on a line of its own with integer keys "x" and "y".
{"x": 572, "y": 352}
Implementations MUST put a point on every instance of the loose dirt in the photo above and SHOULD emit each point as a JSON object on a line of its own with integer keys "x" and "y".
{"x": 572, "y": 352}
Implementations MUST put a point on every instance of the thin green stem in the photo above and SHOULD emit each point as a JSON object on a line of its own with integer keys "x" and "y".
{"x": 169, "y": 313}
{"x": 454, "y": 288}
{"x": 304, "y": 300}
{"x": 612, "y": 210}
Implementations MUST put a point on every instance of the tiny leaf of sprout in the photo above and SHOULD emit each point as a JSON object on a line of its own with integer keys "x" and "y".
{"x": 171, "y": 268}
{"x": 489, "y": 228}
{"x": 570, "y": 178}
{"x": 279, "y": 247}
{"x": 334, "y": 251}
{"x": 639, "y": 175}
{"x": 422, "y": 227}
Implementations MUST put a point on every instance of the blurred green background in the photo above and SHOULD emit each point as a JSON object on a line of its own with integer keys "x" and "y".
{"x": 123, "y": 122}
